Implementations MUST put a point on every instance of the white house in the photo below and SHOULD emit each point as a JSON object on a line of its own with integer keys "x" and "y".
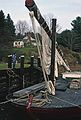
{"x": 28, "y": 39}
{"x": 18, "y": 44}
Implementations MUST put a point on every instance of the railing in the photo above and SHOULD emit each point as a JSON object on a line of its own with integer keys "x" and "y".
{"x": 12, "y": 80}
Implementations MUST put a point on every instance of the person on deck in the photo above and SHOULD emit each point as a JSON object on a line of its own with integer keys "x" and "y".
{"x": 13, "y": 60}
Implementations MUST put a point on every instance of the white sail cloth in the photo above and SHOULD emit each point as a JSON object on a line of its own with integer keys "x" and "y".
{"x": 46, "y": 54}
{"x": 44, "y": 49}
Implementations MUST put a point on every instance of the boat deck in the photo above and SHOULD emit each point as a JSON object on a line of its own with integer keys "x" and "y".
{"x": 64, "y": 97}
{"x": 68, "y": 98}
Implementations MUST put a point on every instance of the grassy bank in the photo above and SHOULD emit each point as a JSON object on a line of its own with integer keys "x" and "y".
{"x": 27, "y": 51}
{"x": 5, "y": 66}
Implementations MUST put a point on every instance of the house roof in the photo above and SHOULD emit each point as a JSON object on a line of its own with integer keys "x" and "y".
{"x": 25, "y": 38}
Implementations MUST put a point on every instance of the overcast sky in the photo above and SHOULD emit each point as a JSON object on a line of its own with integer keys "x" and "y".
{"x": 64, "y": 10}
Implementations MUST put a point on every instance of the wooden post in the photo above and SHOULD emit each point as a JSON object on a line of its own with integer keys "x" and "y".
{"x": 32, "y": 61}
{"x": 31, "y": 69}
{"x": 9, "y": 61}
{"x": 22, "y": 71}
{"x": 38, "y": 62}
{"x": 22, "y": 62}
{"x": 53, "y": 47}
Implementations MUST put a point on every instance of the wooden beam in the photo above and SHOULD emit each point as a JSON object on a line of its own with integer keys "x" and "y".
{"x": 53, "y": 47}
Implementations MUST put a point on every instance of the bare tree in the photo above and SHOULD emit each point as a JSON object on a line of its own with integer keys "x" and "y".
{"x": 22, "y": 27}
{"x": 48, "y": 19}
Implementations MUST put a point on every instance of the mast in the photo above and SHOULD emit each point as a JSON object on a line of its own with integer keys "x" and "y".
{"x": 53, "y": 49}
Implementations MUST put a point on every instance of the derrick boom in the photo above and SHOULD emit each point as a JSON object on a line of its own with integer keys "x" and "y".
{"x": 30, "y": 4}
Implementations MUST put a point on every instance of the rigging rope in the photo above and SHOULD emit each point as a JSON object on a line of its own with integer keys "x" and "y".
{"x": 73, "y": 104}
{"x": 11, "y": 73}
{"x": 41, "y": 102}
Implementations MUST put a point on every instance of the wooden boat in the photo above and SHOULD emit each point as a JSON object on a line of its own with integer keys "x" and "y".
{"x": 59, "y": 98}
{"x": 65, "y": 104}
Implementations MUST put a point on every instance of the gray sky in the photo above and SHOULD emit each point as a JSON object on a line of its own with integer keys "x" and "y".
{"x": 64, "y": 10}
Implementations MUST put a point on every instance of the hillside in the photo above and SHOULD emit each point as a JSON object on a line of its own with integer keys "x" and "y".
{"x": 73, "y": 59}
{"x": 27, "y": 51}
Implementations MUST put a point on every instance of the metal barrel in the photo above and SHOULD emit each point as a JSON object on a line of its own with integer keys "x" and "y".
{"x": 30, "y": 4}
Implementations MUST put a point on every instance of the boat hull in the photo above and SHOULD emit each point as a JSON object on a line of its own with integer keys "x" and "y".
{"x": 39, "y": 113}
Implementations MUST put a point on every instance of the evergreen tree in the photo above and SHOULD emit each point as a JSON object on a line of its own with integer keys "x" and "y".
{"x": 2, "y": 26}
{"x": 7, "y": 29}
{"x": 65, "y": 38}
{"x": 71, "y": 38}
{"x": 76, "y": 24}
{"x": 10, "y": 28}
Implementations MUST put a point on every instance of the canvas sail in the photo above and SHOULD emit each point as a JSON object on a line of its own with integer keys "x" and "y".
{"x": 45, "y": 49}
